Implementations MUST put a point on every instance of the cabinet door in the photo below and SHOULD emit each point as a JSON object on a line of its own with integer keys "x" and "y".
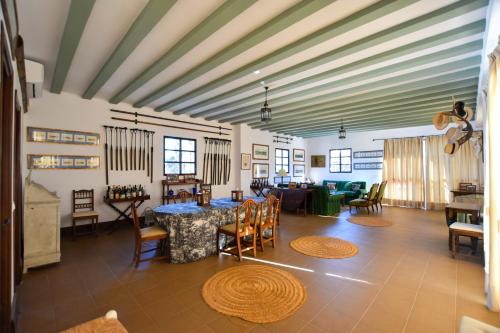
{"x": 40, "y": 230}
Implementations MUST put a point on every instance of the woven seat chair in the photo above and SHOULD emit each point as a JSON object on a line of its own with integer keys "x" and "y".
{"x": 244, "y": 227}
{"x": 380, "y": 194}
{"x": 269, "y": 221}
{"x": 367, "y": 202}
{"x": 278, "y": 194}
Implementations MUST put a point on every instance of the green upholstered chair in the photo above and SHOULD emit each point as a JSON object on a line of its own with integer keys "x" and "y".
{"x": 367, "y": 202}
{"x": 323, "y": 203}
{"x": 380, "y": 194}
{"x": 346, "y": 187}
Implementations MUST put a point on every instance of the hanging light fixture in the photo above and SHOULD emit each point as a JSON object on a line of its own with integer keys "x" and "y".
{"x": 342, "y": 131}
{"x": 265, "y": 111}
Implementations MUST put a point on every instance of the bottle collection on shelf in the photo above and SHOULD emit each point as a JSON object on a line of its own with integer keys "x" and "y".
{"x": 125, "y": 192}
{"x": 259, "y": 182}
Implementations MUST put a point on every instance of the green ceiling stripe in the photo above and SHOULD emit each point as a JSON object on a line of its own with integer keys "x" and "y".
{"x": 438, "y": 16}
{"x": 366, "y": 106}
{"x": 370, "y": 113}
{"x": 220, "y": 17}
{"x": 143, "y": 24}
{"x": 374, "y": 128}
{"x": 277, "y": 24}
{"x": 78, "y": 14}
{"x": 452, "y": 35}
{"x": 435, "y": 72}
{"x": 380, "y": 97}
{"x": 373, "y": 74}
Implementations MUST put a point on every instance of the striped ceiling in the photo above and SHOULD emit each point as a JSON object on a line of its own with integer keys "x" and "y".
{"x": 371, "y": 64}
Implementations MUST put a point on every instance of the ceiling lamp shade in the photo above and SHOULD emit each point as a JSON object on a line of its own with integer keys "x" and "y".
{"x": 342, "y": 131}
{"x": 265, "y": 111}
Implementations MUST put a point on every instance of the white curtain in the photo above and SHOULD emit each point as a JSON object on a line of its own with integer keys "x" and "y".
{"x": 492, "y": 195}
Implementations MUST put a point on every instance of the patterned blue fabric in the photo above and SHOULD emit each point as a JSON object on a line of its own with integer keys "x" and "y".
{"x": 193, "y": 229}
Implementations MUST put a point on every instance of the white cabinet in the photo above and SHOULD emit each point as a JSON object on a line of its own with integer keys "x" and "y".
{"x": 42, "y": 223}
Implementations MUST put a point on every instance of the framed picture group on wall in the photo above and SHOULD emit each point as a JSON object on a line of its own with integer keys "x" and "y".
{"x": 260, "y": 152}
{"x": 299, "y": 155}
{"x": 260, "y": 170}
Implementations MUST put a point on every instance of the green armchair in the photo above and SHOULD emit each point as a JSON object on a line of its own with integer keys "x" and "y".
{"x": 323, "y": 203}
{"x": 345, "y": 187}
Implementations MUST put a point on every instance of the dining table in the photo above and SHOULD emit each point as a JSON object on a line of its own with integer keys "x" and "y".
{"x": 192, "y": 229}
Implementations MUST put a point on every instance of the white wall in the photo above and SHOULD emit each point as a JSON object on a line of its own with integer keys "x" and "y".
{"x": 70, "y": 112}
{"x": 357, "y": 141}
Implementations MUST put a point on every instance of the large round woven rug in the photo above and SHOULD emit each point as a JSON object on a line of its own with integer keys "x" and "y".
{"x": 257, "y": 293}
{"x": 370, "y": 221}
{"x": 324, "y": 247}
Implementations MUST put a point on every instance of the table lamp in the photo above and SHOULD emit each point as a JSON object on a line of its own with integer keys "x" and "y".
{"x": 282, "y": 173}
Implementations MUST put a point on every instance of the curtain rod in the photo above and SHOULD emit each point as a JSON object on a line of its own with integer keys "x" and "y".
{"x": 207, "y": 138}
{"x": 419, "y": 136}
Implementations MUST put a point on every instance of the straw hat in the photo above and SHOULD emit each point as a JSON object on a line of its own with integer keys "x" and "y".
{"x": 454, "y": 133}
{"x": 441, "y": 120}
{"x": 451, "y": 148}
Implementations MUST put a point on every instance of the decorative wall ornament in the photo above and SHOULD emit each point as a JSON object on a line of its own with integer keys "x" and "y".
{"x": 368, "y": 166}
{"x": 318, "y": 161}
{"x": 282, "y": 139}
{"x": 299, "y": 170}
{"x": 48, "y": 161}
{"x": 368, "y": 154}
{"x": 260, "y": 152}
{"x": 246, "y": 161}
{"x": 49, "y": 135}
{"x": 299, "y": 155}
{"x": 260, "y": 170}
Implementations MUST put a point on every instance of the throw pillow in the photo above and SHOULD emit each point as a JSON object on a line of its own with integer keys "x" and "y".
{"x": 347, "y": 186}
{"x": 332, "y": 186}
{"x": 355, "y": 187}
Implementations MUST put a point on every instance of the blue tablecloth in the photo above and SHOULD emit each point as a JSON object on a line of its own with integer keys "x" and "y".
{"x": 193, "y": 229}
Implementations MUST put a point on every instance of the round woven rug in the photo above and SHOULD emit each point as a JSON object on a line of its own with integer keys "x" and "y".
{"x": 370, "y": 221}
{"x": 324, "y": 247}
{"x": 256, "y": 293}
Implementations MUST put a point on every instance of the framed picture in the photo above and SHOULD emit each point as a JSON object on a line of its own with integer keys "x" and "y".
{"x": 299, "y": 170}
{"x": 260, "y": 152}
{"x": 299, "y": 155}
{"x": 246, "y": 161}
{"x": 50, "y": 162}
{"x": 368, "y": 154}
{"x": 368, "y": 166}
{"x": 49, "y": 135}
{"x": 318, "y": 161}
{"x": 260, "y": 170}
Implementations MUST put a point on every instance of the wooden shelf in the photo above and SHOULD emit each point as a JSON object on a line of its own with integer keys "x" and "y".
{"x": 197, "y": 181}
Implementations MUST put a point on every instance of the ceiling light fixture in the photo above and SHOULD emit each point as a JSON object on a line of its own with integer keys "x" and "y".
{"x": 265, "y": 111}
{"x": 342, "y": 131}
{"x": 256, "y": 72}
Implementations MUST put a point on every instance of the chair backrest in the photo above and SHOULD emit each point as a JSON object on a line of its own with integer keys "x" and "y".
{"x": 292, "y": 185}
{"x": 381, "y": 190}
{"x": 183, "y": 196}
{"x": 252, "y": 214}
{"x": 83, "y": 200}
{"x": 135, "y": 219}
{"x": 272, "y": 207}
{"x": 463, "y": 186}
{"x": 373, "y": 192}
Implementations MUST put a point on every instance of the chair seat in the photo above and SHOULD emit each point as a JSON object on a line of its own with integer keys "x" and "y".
{"x": 85, "y": 214}
{"x": 467, "y": 227}
{"x": 231, "y": 228}
{"x": 358, "y": 202}
{"x": 153, "y": 231}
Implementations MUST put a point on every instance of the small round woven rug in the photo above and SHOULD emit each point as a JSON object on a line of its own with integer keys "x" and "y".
{"x": 256, "y": 293}
{"x": 324, "y": 247}
{"x": 370, "y": 221}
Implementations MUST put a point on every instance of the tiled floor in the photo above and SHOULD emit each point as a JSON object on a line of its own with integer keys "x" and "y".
{"x": 402, "y": 280}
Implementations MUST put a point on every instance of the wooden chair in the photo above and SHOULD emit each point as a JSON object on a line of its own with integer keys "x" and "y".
{"x": 143, "y": 235}
{"x": 458, "y": 229}
{"x": 242, "y": 228}
{"x": 380, "y": 194}
{"x": 279, "y": 195}
{"x": 206, "y": 188}
{"x": 183, "y": 196}
{"x": 83, "y": 209}
{"x": 463, "y": 186}
{"x": 367, "y": 202}
{"x": 269, "y": 221}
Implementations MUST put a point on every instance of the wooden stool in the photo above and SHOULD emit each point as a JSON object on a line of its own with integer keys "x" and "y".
{"x": 458, "y": 229}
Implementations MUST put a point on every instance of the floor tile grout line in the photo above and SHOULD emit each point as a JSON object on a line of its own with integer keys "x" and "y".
{"x": 341, "y": 289}
{"x": 421, "y": 282}
{"x": 379, "y": 291}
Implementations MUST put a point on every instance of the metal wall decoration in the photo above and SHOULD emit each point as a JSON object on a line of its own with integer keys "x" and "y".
{"x": 368, "y": 166}
{"x": 299, "y": 155}
{"x": 299, "y": 170}
{"x": 260, "y": 170}
{"x": 260, "y": 152}
{"x": 282, "y": 139}
{"x": 48, "y": 161}
{"x": 368, "y": 154}
{"x": 318, "y": 161}
{"x": 246, "y": 161}
{"x": 49, "y": 135}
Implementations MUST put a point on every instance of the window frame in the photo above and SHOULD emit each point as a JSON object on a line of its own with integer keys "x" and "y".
{"x": 340, "y": 157}
{"x": 180, "y": 155}
{"x": 275, "y": 156}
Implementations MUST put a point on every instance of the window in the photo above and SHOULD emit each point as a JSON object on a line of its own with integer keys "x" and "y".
{"x": 179, "y": 156}
{"x": 282, "y": 159}
{"x": 340, "y": 160}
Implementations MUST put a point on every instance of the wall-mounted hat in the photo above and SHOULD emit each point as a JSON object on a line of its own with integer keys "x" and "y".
{"x": 441, "y": 120}
{"x": 454, "y": 133}
{"x": 451, "y": 148}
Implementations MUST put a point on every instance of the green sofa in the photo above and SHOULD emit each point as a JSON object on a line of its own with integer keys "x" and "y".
{"x": 344, "y": 187}
{"x": 324, "y": 203}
